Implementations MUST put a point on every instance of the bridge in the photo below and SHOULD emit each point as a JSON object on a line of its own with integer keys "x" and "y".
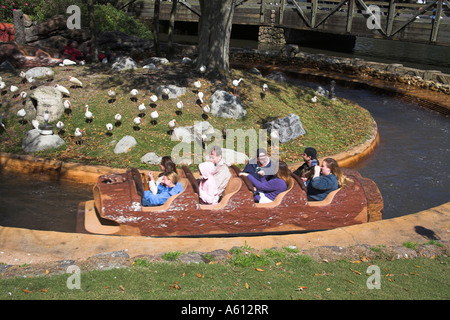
{"x": 412, "y": 22}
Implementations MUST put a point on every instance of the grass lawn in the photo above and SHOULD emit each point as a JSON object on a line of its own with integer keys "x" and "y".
{"x": 331, "y": 126}
{"x": 269, "y": 275}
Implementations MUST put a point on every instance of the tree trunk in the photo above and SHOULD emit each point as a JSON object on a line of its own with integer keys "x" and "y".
{"x": 156, "y": 28}
{"x": 94, "y": 48}
{"x": 216, "y": 22}
{"x": 171, "y": 29}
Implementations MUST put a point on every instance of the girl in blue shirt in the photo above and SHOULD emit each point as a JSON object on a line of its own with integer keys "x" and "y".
{"x": 168, "y": 187}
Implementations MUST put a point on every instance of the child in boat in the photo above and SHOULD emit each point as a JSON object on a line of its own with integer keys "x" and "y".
{"x": 327, "y": 178}
{"x": 168, "y": 187}
{"x": 208, "y": 191}
{"x": 267, "y": 190}
{"x": 305, "y": 175}
{"x": 166, "y": 166}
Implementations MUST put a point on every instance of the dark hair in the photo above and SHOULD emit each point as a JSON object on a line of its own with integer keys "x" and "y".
{"x": 311, "y": 152}
{"x": 168, "y": 164}
{"x": 306, "y": 172}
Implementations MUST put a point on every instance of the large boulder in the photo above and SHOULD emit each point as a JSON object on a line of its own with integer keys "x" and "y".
{"x": 173, "y": 91}
{"x": 125, "y": 144}
{"x": 288, "y": 128}
{"x": 226, "y": 105}
{"x": 41, "y": 99}
{"x": 34, "y": 141}
{"x": 124, "y": 63}
{"x": 39, "y": 72}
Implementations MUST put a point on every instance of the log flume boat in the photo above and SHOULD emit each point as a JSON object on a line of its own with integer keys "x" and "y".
{"x": 117, "y": 209}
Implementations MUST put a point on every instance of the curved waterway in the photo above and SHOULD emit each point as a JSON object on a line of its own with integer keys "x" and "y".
{"x": 410, "y": 167}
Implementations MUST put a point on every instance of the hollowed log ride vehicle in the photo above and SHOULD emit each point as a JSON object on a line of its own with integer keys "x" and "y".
{"x": 117, "y": 208}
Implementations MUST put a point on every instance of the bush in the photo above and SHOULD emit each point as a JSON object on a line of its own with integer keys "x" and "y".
{"x": 108, "y": 18}
{"x": 9, "y": 6}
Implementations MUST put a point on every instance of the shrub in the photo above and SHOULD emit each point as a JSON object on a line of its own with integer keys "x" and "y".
{"x": 9, "y": 6}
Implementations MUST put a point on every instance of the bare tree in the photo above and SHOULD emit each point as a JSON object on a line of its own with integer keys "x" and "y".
{"x": 171, "y": 29}
{"x": 94, "y": 47}
{"x": 156, "y": 27}
{"x": 214, "y": 37}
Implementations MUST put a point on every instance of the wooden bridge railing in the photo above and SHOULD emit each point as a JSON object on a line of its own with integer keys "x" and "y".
{"x": 382, "y": 19}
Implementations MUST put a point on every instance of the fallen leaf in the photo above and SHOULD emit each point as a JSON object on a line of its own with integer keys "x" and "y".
{"x": 247, "y": 286}
{"x": 184, "y": 273}
{"x": 43, "y": 290}
{"x": 26, "y": 291}
{"x": 260, "y": 270}
{"x": 200, "y": 276}
{"x": 328, "y": 289}
{"x": 122, "y": 288}
{"x": 356, "y": 271}
{"x": 278, "y": 263}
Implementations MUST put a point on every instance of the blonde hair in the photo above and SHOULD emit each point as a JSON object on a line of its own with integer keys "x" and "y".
{"x": 172, "y": 176}
{"x": 334, "y": 167}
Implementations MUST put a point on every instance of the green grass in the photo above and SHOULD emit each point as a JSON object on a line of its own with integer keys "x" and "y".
{"x": 331, "y": 126}
{"x": 271, "y": 275}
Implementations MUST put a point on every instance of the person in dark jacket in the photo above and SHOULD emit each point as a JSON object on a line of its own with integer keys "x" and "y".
{"x": 261, "y": 162}
{"x": 310, "y": 160}
{"x": 327, "y": 178}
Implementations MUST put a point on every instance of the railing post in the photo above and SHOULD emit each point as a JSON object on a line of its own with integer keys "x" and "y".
{"x": 351, "y": 8}
{"x": 262, "y": 10}
{"x": 436, "y": 21}
{"x": 283, "y": 2}
{"x": 313, "y": 13}
{"x": 391, "y": 16}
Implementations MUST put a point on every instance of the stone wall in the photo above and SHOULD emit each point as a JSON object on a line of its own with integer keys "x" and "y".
{"x": 291, "y": 55}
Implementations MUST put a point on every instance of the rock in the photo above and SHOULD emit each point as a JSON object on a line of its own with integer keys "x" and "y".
{"x": 277, "y": 76}
{"x": 191, "y": 258}
{"x": 182, "y": 134}
{"x": 34, "y": 141}
{"x": 255, "y": 71}
{"x": 38, "y": 72}
{"x": 288, "y": 128}
{"x": 193, "y": 133}
{"x": 322, "y": 92}
{"x": 41, "y": 99}
{"x": 7, "y": 66}
{"x": 150, "y": 66}
{"x": 124, "y": 63}
{"x": 158, "y": 60}
{"x": 174, "y": 91}
{"x": 125, "y": 144}
{"x": 225, "y": 105}
{"x": 151, "y": 158}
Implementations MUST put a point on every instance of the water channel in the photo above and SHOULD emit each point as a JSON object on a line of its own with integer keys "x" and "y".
{"x": 410, "y": 168}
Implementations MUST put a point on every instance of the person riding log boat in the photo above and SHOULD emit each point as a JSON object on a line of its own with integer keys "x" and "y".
{"x": 117, "y": 208}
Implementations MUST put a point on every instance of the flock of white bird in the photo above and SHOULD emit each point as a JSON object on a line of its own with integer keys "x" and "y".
{"x": 75, "y": 83}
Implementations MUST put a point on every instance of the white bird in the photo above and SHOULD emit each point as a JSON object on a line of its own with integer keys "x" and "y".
{"x": 142, "y": 109}
{"x": 78, "y": 134}
{"x": 180, "y": 105}
{"x": 88, "y": 114}
{"x": 1, "y": 123}
{"x": 22, "y": 113}
{"x": 198, "y": 84}
{"x": 75, "y": 81}
{"x": 109, "y": 127}
{"x": 137, "y": 122}
{"x": 23, "y": 95}
{"x": 31, "y": 81}
{"x": 202, "y": 69}
{"x": 62, "y": 89}
{"x": 134, "y": 94}
{"x": 207, "y": 109}
{"x": 165, "y": 92}
{"x": 172, "y": 124}
{"x": 236, "y": 84}
{"x": 265, "y": 87}
{"x": 111, "y": 94}
{"x": 118, "y": 117}
{"x": 154, "y": 98}
{"x": 314, "y": 99}
{"x": 200, "y": 97}
{"x": 2, "y": 85}
{"x": 13, "y": 89}
{"x": 68, "y": 62}
{"x": 60, "y": 125}
{"x": 154, "y": 115}
{"x": 23, "y": 76}
{"x": 67, "y": 104}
